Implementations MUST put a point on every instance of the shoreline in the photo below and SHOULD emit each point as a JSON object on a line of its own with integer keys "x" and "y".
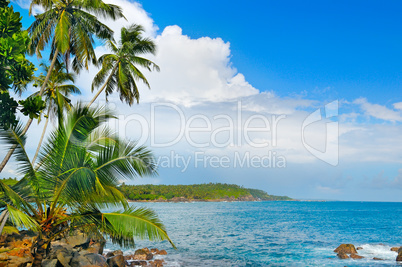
{"x": 186, "y": 200}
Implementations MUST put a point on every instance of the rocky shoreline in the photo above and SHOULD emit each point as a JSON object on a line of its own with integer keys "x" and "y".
{"x": 77, "y": 250}
{"x": 349, "y": 251}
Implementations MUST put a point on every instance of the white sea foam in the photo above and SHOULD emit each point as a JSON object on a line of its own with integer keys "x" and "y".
{"x": 378, "y": 251}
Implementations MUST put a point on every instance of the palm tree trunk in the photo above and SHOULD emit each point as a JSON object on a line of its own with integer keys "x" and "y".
{"x": 38, "y": 252}
{"x": 42, "y": 90}
{"x": 104, "y": 86}
{"x": 3, "y": 219}
{"x": 41, "y": 138}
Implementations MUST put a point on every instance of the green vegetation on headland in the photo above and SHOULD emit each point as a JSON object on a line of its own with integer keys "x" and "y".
{"x": 195, "y": 192}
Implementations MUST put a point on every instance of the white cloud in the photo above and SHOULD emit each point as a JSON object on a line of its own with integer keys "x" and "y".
{"x": 194, "y": 71}
{"x": 378, "y": 111}
{"x": 398, "y": 105}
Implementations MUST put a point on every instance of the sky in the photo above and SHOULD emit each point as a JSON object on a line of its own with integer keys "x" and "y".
{"x": 295, "y": 98}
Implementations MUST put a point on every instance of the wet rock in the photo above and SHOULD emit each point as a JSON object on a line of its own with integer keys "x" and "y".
{"x": 355, "y": 256}
{"x": 395, "y": 249}
{"x": 377, "y": 259}
{"x": 138, "y": 263}
{"x": 399, "y": 257}
{"x": 154, "y": 250}
{"x": 342, "y": 255}
{"x": 142, "y": 254}
{"x": 163, "y": 252}
{"x": 346, "y": 248}
{"x": 156, "y": 263}
{"x": 359, "y": 248}
{"x": 116, "y": 261}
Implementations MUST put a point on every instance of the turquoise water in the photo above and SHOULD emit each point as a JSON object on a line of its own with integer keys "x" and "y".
{"x": 277, "y": 233}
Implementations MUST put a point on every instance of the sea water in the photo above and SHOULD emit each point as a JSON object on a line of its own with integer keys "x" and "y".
{"x": 279, "y": 233}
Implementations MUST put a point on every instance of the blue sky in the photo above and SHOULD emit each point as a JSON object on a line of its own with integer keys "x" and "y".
{"x": 271, "y": 59}
{"x": 352, "y": 47}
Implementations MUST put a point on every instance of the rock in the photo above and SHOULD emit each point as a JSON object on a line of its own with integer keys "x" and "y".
{"x": 342, "y": 255}
{"x": 399, "y": 257}
{"x": 80, "y": 239}
{"x": 156, "y": 263}
{"x": 77, "y": 239}
{"x": 395, "y": 249}
{"x": 117, "y": 252}
{"x": 64, "y": 258}
{"x": 79, "y": 261}
{"x": 154, "y": 250}
{"x": 346, "y": 248}
{"x": 50, "y": 263}
{"x": 162, "y": 252}
{"x": 109, "y": 254}
{"x": 355, "y": 256}
{"x": 142, "y": 254}
{"x": 116, "y": 261}
{"x": 138, "y": 263}
{"x": 96, "y": 259}
{"x": 359, "y": 248}
{"x": 377, "y": 259}
{"x": 19, "y": 261}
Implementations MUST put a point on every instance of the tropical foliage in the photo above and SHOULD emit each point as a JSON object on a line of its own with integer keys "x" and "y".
{"x": 70, "y": 28}
{"x": 82, "y": 162}
{"x": 80, "y": 166}
{"x": 119, "y": 70}
{"x": 211, "y": 191}
{"x": 15, "y": 70}
{"x": 56, "y": 95}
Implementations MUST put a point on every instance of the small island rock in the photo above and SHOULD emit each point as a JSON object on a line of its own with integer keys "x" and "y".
{"x": 395, "y": 249}
{"x": 346, "y": 248}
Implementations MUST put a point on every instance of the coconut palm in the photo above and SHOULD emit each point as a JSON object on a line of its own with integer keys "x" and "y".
{"x": 119, "y": 70}
{"x": 69, "y": 27}
{"x": 56, "y": 95}
{"x": 81, "y": 165}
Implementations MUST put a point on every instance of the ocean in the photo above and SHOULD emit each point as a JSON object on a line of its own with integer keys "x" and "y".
{"x": 271, "y": 233}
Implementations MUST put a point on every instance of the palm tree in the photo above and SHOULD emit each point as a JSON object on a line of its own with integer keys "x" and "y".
{"x": 69, "y": 26}
{"x": 69, "y": 189}
{"x": 56, "y": 95}
{"x": 119, "y": 70}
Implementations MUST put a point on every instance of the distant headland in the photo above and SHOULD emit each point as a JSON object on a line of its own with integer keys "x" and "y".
{"x": 211, "y": 192}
